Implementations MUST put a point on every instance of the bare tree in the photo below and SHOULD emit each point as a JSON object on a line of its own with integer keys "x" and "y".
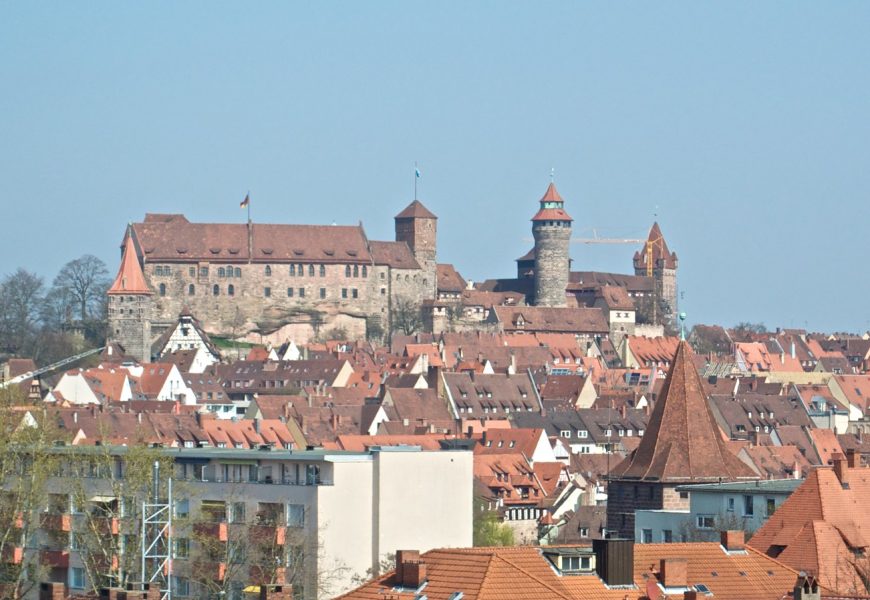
{"x": 21, "y": 297}
{"x": 407, "y": 318}
{"x": 84, "y": 281}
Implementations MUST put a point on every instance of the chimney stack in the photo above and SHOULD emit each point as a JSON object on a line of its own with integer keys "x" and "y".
{"x": 853, "y": 458}
{"x": 841, "y": 469}
{"x": 410, "y": 570}
{"x": 733, "y": 540}
{"x": 614, "y": 560}
{"x": 674, "y": 572}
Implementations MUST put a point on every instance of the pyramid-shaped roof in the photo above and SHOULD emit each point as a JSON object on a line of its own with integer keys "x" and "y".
{"x": 682, "y": 442}
{"x": 416, "y": 210}
{"x": 552, "y": 213}
{"x": 659, "y": 247}
{"x": 130, "y": 279}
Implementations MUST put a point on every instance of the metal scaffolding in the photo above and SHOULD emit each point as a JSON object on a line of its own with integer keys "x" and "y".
{"x": 157, "y": 537}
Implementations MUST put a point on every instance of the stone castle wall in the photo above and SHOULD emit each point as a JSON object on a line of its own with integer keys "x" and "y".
{"x": 130, "y": 323}
{"x": 552, "y": 263}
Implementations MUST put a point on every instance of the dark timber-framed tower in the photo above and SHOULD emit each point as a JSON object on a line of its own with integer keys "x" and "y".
{"x": 551, "y": 227}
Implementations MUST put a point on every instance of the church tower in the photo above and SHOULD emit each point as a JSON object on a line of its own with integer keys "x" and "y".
{"x": 417, "y": 227}
{"x": 551, "y": 227}
{"x": 130, "y": 306}
{"x": 655, "y": 260}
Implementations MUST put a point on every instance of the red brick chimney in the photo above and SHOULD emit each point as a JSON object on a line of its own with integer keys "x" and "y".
{"x": 853, "y": 459}
{"x": 841, "y": 469}
{"x": 733, "y": 540}
{"x": 674, "y": 572}
{"x": 410, "y": 570}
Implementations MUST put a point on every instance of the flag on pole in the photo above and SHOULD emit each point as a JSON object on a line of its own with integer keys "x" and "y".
{"x": 417, "y": 172}
{"x": 246, "y": 201}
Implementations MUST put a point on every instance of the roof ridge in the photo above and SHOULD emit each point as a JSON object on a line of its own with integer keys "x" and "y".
{"x": 561, "y": 594}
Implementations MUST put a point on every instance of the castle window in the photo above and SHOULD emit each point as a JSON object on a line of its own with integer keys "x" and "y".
{"x": 425, "y": 281}
{"x": 203, "y": 271}
{"x": 192, "y": 271}
{"x": 238, "y": 272}
{"x": 365, "y": 271}
{"x": 311, "y": 270}
{"x": 347, "y": 271}
{"x": 268, "y": 271}
{"x": 382, "y": 274}
{"x": 383, "y": 291}
{"x": 301, "y": 270}
{"x": 355, "y": 293}
{"x": 222, "y": 272}
{"x": 356, "y": 270}
{"x": 289, "y": 292}
{"x": 162, "y": 289}
{"x": 267, "y": 292}
{"x": 323, "y": 270}
{"x": 216, "y": 290}
{"x": 231, "y": 290}
{"x": 292, "y": 270}
{"x": 407, "y": 278}
{"x": 229, "y": 271}
{"x": 158, "y": 270}
{"x": 191, "y": 290}
{"x": 344, "y": 292}
{"x": 167, "y": 270}
{"x": 301, "y": 292}
{"x": 323, "y": 292}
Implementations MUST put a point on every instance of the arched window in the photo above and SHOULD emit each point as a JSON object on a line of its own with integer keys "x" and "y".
{"x": 356, "y": 270}
{"x": 231, "y": 290}
{"x": 365, "y": 271}
{"x": 323, "y": 270}
{"x": 229, "y": 271}
{"x": 292, "y": 269}
{"x": 311, "y": 270}
{"x": 191, "y": 290}
{"x": 216, "y": 290}
{"x": 268, "y": 271}
{"x": 238, "y": 272}
{"x": 162, "y": 289}
{"x": 301, "y": 270}
{"x": 222, "y": 272}
{"x": 347, "y": 271}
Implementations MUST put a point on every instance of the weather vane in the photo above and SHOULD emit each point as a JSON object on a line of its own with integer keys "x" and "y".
{"x": 552, "y": 174}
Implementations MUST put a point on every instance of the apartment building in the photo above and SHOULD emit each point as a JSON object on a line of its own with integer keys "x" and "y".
{"x": 319, "y": 520}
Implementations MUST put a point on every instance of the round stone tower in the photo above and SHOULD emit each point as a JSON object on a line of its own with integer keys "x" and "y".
{"x": 551, "y": 227}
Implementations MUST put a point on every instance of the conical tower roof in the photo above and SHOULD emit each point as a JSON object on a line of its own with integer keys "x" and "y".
{"x": 130, "y": 279}
{"x": 682, "y": 442}
{"x": 552, "y": 206}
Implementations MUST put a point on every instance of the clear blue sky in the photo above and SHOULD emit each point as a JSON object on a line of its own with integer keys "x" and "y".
{"x": 744, "y": 126}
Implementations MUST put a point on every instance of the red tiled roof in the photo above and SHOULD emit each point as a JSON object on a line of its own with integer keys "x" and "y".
{"x": 416, "y": 210}
{"x": 682, "y": 441}
{"x": 129, "y": 279}
{"x": 660, "y": 252}
{"x": 394, "y": 254}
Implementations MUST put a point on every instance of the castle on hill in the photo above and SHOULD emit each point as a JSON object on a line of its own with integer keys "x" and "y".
{"x": 301, "y": 282}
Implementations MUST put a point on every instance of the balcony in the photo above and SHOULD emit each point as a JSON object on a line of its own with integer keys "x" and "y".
{"x": 12, "y": 555}
{"x": 212, "y": 530}
{"x": 54, "y": 558}
{"x": 263, "y": 576}
{"x": 55, "y": 522}
{"x": 268, "y": 534}
{"x": 106, "y": 525}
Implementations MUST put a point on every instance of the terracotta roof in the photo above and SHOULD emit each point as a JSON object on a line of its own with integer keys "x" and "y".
{"x": 821, "y": 528}
{"x": 649, "y": 351}
{"x": 449, "y": 279}
{"x": 550, "y": 319}
{"x": 552, "y": 213}
{"x": 416, "y": 210}
{"x": 174, "y": 238}
{"x": 660, "y": 252}
{"x": 682, "y": 441}
{"x": 523, "y": 573}
{"x": 394, "y": 254}
{"x": 129, "y": 279}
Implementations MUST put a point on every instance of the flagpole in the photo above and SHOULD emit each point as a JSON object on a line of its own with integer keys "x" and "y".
{"x": 416, "y": 177}
{"x": 249, "y": 205}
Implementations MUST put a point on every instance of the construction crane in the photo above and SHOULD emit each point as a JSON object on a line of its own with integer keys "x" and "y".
{"x": 51, "y": 367}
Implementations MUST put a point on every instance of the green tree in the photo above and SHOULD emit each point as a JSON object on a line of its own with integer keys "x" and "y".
{"x": 489, "y": 530}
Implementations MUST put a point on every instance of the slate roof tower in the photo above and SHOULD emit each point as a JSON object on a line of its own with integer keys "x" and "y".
{"x": 682, "y": 444}
{"x": 130, "y": 305}
{"x": 551, "y": 227}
